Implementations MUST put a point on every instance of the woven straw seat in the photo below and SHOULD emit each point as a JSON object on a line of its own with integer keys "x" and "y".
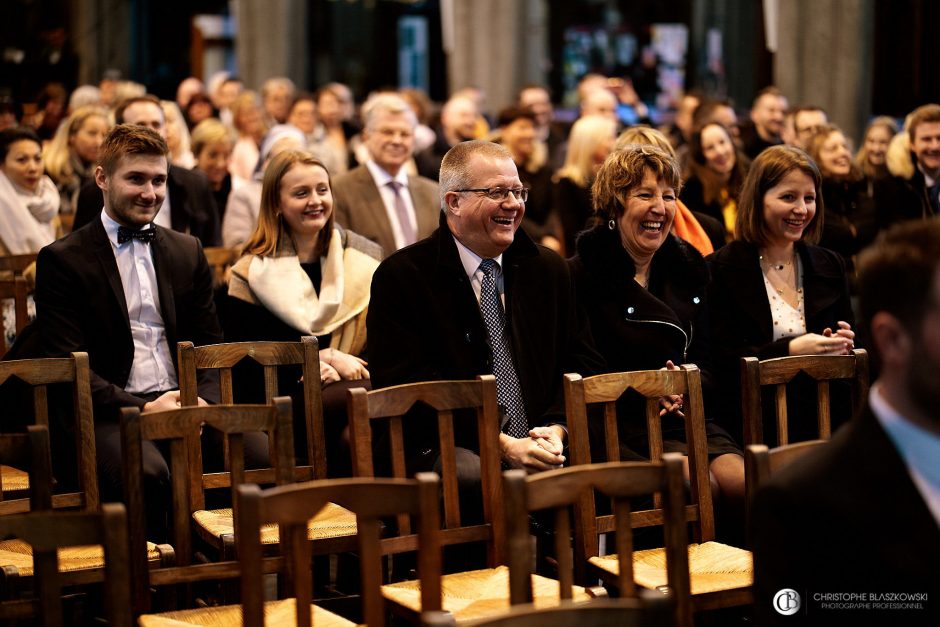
{"x": 280, "y": 613}
{"x": 477, "y": 593}
{"x": 333, "y": 521}
{"x": 20, "y": 555}
{"x": 713, "y": 567}
{"x": 13, "y": 479}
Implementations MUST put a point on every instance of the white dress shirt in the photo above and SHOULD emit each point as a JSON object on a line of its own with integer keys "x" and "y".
{"x": 152, "y": 369}
{"x": 919, "y": 448}
{"x": 382, "y": 180}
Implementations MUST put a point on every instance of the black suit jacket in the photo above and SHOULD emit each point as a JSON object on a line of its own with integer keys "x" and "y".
{"x": 742, "y": 324}
{"x": 80, "y": 306}
{"x": 846, "y": 518}
{"x": 193, "y": 209}
{"x": 424, "y": 321}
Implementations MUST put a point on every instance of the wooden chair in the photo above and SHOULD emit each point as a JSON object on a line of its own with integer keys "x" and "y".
{"x": 720, "y": 575}
{"x": 176, "y": 429}
{"x": 40, "y": 374}
{"x": 220, "y": 260}
{"x": 14, "y": 288}
{"x": 761, "y": 463}
{"x": 573, "y": 489}
{"x": 270, "y": 355}
{"x": 466, "y": 594}
{"x": 31, "y": 452}
{"x": 336, "y": 527}
{"x": 45, "y": 533}
{"x": 16, "y": 265}
{"x": 779, "y": 371}
{"x": 652, "y": 610}
{"x": 285, "y": 510}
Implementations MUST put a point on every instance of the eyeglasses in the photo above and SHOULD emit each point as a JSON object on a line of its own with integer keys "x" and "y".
{"x": 500, "y": 194}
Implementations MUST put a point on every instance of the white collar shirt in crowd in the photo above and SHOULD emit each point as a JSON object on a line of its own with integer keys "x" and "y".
{"x": 152, "y": 369}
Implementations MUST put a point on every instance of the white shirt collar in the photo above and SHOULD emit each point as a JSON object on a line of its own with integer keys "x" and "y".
{"x": 382, "y": 177}
{"x": 471, "y": 261}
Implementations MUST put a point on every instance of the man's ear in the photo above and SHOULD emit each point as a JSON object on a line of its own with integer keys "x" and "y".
{"x": 101, "y": 180}
{"x": 451, "y": 201}
{"x": 892, "y": 339}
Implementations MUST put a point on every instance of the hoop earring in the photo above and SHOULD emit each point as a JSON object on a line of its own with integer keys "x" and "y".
{"x": 611, "y": 224}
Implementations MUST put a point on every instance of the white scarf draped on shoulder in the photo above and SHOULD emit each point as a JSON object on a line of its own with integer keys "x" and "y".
{"x": 280, "y": 285}
{"x": 27, "y": 220}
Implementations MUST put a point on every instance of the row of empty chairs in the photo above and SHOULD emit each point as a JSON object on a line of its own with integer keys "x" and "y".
{"x": 390, "y": 405}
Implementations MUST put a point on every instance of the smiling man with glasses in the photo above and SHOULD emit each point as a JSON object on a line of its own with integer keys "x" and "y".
{"x": 480, "y": 297}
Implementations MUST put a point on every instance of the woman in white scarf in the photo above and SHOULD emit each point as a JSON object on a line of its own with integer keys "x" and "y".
{"x": 303, "y": 275}
{"x": 29, "y": 201}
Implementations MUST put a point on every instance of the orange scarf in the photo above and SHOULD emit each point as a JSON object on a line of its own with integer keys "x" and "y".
{"x": 688, "y": 228}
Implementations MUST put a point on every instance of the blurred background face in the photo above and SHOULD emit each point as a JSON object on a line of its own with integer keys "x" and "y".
{"x": 277, "y": 103}
{"x": 88, "y": 138}
{"x": 23, "y": 164}
{"x": 834, "y": 156}
{"x": 805, "y": 123}
{"x": 390, "y": 140}
{"x": 303, "y": 115}
{"x": 519, "y": 138}
{"x": 876, "y": 144}
{"x": 330, "y": 109}
{"x": 538, "y": 101}
{"x": 460, "y": 118}
{"x": 718, "y": 150}
{"x": 768, "y": 114}
{"x": 213, "y": 160}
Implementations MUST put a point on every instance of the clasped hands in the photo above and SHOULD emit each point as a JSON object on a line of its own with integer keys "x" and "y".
{"x": 336, "y": 366}
{"x": 673, "y": 403}
{"x": 542, "y": 450}
{"x": 839, "y": 342}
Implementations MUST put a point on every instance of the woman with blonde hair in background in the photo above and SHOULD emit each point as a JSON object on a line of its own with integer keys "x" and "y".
{"x": 177, "y": 136}
{"x": 591, "y": 139}
{"x": 70, "y": 157}
{"x": 872, "y": 156}
{"x": 249, "y": 124}
{"x": 212, "y": 147}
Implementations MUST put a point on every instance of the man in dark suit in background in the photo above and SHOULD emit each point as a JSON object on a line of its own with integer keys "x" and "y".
{"x": 188, "y": 206}
{"x": 379, "y": 200}
{"x": 861, "y": 515}
{"x": 125, "y": 290}
{"x": 477, "y": 297}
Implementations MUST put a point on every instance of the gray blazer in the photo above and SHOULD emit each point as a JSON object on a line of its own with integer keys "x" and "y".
{"x": 358, "y": 206}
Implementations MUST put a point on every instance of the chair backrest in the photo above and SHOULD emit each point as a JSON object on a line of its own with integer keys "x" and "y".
{"x": 220, "y": 259}
{"x": 372, "y": 500}
{"x": 177, "y": 429}
{"x": 605, "y": 390}
{"x": 16, "y": 265}
{"x": 270, "y": 355}
{"x": 391, "y": 407}
{"x": 780, "y": 371}
{"x": 48, "y": 531}
{"x": 572, "y": 489}
{"x": 14, "y": 288}
{"x": 28, "y": 451}
{"x": 653, "y": 609}
{"x": 41, "y": 373}
{"x": 761, "y": 462}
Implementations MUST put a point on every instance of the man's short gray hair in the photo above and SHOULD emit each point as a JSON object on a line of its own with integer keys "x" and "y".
{"x": 386, "y": 102}
{"x": 455, "y": 167}
{"x": 278, "y": 81}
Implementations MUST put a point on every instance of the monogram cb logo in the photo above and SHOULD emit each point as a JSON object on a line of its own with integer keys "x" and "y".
{"x": 787, "y": 602}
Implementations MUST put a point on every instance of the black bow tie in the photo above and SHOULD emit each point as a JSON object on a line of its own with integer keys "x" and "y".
{"x": 142, "y": 235}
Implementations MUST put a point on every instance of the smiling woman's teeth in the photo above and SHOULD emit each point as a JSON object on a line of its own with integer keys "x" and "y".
{"x": 652, "y": 226}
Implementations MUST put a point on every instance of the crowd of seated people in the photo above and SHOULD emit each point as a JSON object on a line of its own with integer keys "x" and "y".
{"x": 448, "y": 261}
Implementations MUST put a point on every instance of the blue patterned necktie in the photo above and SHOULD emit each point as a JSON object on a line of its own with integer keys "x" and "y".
{"x": 508, "y": 391}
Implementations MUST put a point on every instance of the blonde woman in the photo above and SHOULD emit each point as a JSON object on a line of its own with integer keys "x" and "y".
{"x": 872, "y": 156}
{"x": 177, "y": 136}
{"x": 591, "y": 139}
{"x": 249, "y": 125}
{"x": 212, "y": 147}
{"x": 70, "y": 157}
{"x": 301, "y": 274}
